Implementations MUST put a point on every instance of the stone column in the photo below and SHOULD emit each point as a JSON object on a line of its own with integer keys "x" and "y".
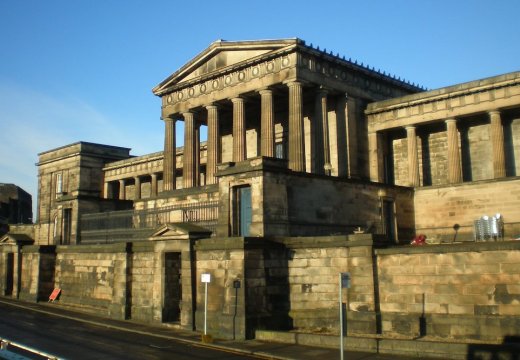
{"x": 189, "y": 175}
{"x": 122, "y": 192}
{"x": 197, "y": 154}
{"x": 375, "y": 156}
{"x": 296, "y": 139}
{"x": 239, "y": 130}
{"x": 153, "y": 185}
{"x": 454, "y": 164}
{"x": 213, "y": 154}
{"x": 322, "y": 133}
{"x": 352, "y": 139}
{"x": 267, "y": 123}
{"x": 106, "y": 190}
{"x": 413, "y": 157}
{"x": 170, "y": 152}
{"x": 137, "y": 188}
{"x": 497, "y": 141}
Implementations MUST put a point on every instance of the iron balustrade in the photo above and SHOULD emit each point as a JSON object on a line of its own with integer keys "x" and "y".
{"x": 126, "y": 225}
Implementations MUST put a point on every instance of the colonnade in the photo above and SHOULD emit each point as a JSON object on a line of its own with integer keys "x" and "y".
{"x": 138, "y": 182}
{"x": 296, "y": 137}
{"x": 453, "y": 156}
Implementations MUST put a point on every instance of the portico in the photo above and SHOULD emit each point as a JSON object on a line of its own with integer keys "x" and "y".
{"x": 253, "y": 97}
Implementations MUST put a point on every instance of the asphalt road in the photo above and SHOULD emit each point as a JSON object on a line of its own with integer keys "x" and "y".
{"x": 72, "y": 339}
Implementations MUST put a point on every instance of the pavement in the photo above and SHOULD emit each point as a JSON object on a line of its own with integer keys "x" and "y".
{"x": 253, "y": 348}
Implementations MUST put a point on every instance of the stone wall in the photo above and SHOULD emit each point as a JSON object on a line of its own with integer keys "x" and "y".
{"x": 466, "y": 291}
{"x": 308, "y": 205}
{"x": 37, "y": 277}
{"x": 94, "y": 276}
{"x": 223, "y": 259}
{"x": 439, "y": 209}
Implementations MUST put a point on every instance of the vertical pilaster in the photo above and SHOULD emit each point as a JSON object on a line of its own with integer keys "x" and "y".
{"x": 122, "y": 192}
{"x": 189, "y": 150}
{"x": 239, "y": 130}
{"x": 267, "y": 123}
{"x": 413, "y": 157}
{"x": 137, "y": 191}
{"x": 170, "y": 152}
{"x": 154, "y": 184}
{"x": 296, "y": 139}
{"x": 497, "y": 142}
{"x": 454, "y": 164}
{"x": 213, "y": 157}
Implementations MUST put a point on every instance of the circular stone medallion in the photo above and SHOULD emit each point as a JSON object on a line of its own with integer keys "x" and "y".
{"x": 270, "y": 66}
{"x": 256, "y": 71}
{"x": 215, "y": 84}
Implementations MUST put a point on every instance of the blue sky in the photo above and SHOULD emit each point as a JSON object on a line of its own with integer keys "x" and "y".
{"x": 83, "y": 70}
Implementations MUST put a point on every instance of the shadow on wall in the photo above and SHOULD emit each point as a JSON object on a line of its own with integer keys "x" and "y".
{"x": 509, "y": 349}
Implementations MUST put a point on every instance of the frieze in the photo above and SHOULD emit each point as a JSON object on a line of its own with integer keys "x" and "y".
{"x": 243, "y": 75}
{"x": 335, "y": 71}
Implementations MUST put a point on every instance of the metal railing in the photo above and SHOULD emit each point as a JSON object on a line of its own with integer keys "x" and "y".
{"x": 12, "y": 350}
{"x": 116, "y": 226}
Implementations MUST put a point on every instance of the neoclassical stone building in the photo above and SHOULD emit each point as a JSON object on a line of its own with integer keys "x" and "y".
{"x": 313, "y": 165}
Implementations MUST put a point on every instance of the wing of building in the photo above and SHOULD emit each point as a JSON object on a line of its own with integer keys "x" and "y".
{"x": 313, "y": 165}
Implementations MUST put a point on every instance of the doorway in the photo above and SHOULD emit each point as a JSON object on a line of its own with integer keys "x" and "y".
{"x": 67, "y": 226}
{"x": 9, "y": 275}
{"x": 172, "y": 287}
{"x": 389, "y": 220}
{"x": 243, "y": 211}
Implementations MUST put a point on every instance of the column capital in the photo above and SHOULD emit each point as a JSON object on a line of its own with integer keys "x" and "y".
{"x": 322, "y": 90}
{"x": 291, "y": 83}
{"x": 237, "y": 99}
{"x": 169, "y": 118}
{"x": 211, "y": 106}
{"x": 494, "y": 112}
{"x": 187, "y": 113}
{"x": 265, "y": 91}
{"x": 410, "y": 127}
{"x": 450, "y": 121}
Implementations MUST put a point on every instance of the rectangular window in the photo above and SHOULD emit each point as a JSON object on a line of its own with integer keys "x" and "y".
{"x": 279, "y": 151}
{"x": 59, "y": 184}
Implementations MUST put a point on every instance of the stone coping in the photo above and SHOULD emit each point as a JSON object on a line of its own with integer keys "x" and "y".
{"x": 445, "y": 92}
{"x": 451, "y": 248}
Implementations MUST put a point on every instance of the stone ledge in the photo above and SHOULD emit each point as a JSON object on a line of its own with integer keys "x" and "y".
{"x": 451, "y": 248}
{"x": 421, "y": 348}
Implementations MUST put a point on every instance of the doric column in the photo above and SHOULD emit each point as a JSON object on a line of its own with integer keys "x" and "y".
{"x": 497, "y": 141}
{"x": 197, "y": 154}
{"x": 267, "y": 123}
{"x": 375, "y": 157}
{"x": 454, "y": 164}
{"x": 213, "y": 154}
{"x": 122, "y": 192}
{"x": 322, "y": 133}
{"x": 137, "y": 188}
{"x": 239, "y": 130}
{"x": 189, "y": 163}
{"x": 413, "y": 157}
{"x": 154, "y": 185}
{"x": 296, "y": 139}
{"x": 352, "y": 138}
{"x": 106, "y": 190}
{"x": 170, "y": 153}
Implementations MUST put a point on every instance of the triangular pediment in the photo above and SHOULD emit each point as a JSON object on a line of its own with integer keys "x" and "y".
{"x": 220, "y": 55}
{"x": 16, "y": 239}
{"x": 179, "y": 231}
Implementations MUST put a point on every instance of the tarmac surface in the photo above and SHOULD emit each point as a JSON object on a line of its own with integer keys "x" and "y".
{"x": 253, "y": 349}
